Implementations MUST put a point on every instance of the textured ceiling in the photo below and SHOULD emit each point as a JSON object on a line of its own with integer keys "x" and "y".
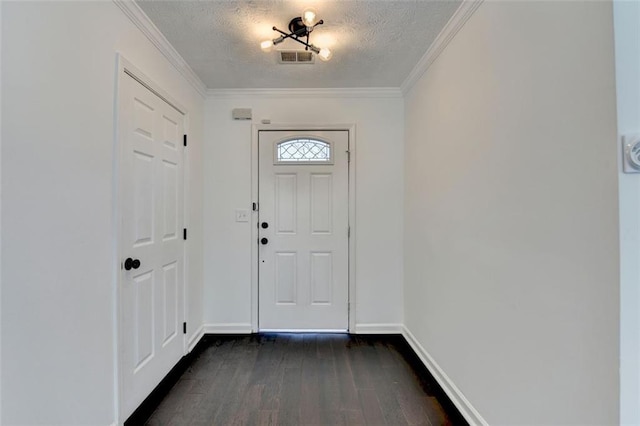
{"x": 374, "y": 43}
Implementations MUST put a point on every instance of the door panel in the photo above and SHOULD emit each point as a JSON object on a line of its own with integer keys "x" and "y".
{"x": 142, "y": 182}
{"x": 170, "y": 296}
{"x": 170, "y": 200}
{"x": 321, "y": 276}
{"x": 321, "y": 205}
{"x": 143, "y": 310}
{"x": 303, "y": 267}
{"x": 286, "y": 283}
{"x": 286, "y": 202}
{"x": 151, "y": 187}
{"x": 171, "y": 134}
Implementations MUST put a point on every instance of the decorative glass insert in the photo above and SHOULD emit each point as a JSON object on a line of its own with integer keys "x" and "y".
{"x": 303, "y": 150}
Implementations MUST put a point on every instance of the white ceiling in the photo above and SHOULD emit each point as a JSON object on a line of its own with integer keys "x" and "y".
{"x": 375, "y": 43}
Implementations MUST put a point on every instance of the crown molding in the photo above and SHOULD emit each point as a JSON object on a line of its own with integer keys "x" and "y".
{"x": 148, "y": 28}
{"x": 457, "y": 21}
{"x": 363, "y": 92}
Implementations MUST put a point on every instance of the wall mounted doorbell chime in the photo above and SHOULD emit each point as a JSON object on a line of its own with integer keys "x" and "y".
{"x": 241, "y": 113}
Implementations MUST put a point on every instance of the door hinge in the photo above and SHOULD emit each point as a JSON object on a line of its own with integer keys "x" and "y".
{"x": 184, "y": 327}
{"x": 348, "y": 156}
{"x": 184, "y": 233}
{"x": 185, "y": 140}
{"x": 256, "y": 207}
{"x": 349, "y": 232}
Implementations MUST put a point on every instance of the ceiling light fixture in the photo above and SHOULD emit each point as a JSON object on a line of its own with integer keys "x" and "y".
{"x": 300, "y": 28}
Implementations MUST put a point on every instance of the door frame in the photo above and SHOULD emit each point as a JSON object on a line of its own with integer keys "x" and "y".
{"x": 126, "y": 69}
{"x": 351, "y": 170}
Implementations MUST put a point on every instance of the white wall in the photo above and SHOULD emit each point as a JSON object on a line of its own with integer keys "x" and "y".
{"x": 627, "y": 38}
{"x": 378, "y": 162}
{"x": 0, "y": 211}
{"x": 511, "y": 218}
{"x": 58, "y": 269}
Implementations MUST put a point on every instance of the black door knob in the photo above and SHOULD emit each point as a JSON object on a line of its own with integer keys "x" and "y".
{"x": 264, "y": 241}
{"x": 130, "y": 264}
{"x": 264, "y": 225}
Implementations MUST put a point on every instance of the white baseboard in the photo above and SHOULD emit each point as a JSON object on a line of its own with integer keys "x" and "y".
{"x": 456, "y": 396}
{"x": 377, "y": 329}
{"x": 193, "y": 341}
{"x": 228, "y": 328}
{"x": 245, "y": 328}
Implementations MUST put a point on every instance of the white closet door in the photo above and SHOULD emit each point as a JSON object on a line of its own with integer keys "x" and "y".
{"x": 152, "y": 289}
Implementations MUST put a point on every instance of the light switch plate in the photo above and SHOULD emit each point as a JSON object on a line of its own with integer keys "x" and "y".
{"x": 242, "y": 215}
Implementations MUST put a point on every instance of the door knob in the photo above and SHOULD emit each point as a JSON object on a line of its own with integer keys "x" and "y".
{"x": 264, "y": 241}
{"x": 130, "y": 264}
{"x": 264, "y": 225}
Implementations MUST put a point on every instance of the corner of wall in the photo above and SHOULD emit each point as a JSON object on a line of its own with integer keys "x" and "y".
{"x": 140, "y": 19}
{"x": 1, "y": 322}
{"x": 455, "y": 395}
{"x": 195, "y": 338}
{"x": 455, "y": 23}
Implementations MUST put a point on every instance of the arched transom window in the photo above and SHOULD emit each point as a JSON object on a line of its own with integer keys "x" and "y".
{"x": 303, "y": 150}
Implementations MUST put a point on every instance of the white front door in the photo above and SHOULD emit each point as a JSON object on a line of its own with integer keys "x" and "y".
{"x": 303, "y": 270}
{"x": 152, "y": 289}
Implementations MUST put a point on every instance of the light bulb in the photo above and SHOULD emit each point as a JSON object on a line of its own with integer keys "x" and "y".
{"x": 325, "y": 54}
{"x": 266, "y": 45}
{"x": 309, "y": 17}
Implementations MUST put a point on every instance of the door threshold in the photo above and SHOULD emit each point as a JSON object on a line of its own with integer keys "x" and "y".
{"x": 306, "y": 330}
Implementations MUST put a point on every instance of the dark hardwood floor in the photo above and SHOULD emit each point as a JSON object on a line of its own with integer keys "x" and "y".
{"x": 296, "y": 379}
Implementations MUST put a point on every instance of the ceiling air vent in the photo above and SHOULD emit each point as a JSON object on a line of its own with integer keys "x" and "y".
{"x": 295, "y": 57}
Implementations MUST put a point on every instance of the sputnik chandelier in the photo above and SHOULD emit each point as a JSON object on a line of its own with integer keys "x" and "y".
{"x": 299, "y": 28}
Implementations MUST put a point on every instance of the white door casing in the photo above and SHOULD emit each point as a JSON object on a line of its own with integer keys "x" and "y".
{"x": 303, "y": 265}
{"x": 151, "y": 189}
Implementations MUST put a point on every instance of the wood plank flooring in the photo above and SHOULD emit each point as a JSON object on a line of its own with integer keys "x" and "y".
{"x": 305, "y": 379}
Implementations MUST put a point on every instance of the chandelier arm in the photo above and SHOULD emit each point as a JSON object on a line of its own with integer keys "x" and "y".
{"x": 314, "y": 49}
{"x": 294, "y": 36}
{"x": 303, "y": 43}
{"x": 291, "y": 35}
